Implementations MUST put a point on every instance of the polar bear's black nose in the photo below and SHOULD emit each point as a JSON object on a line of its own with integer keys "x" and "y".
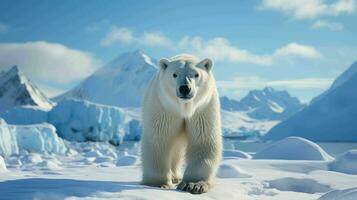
{"x": 184, "y": 90}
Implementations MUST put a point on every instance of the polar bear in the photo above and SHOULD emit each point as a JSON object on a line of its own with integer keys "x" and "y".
{"x": 181, "y": 122}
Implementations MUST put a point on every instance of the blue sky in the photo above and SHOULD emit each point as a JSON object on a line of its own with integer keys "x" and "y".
{"x": 297, "y": 45}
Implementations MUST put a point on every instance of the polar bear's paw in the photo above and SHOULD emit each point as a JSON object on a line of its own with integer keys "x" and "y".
{"x": 194, "y": 187}
{"x": 166, "y": 186}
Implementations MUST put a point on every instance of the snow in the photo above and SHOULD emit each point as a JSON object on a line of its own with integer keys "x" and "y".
{"x": 127, "y": 160}
{"x": 33, "y": 138}
{"x": 330, "y": 117}
{"x": 101, "y": 171}
{"x": 16, "y": 90}
{"x": 346, "y": 163}
{"x": 298, "y": 185}
{"x": 121, "y": 82}
{"x": 231, "y": 171}
{"x": 236, "y": 154}
{"x": 293, "y": 148}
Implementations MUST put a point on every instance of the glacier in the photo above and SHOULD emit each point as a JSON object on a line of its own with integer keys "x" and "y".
{"x": 85, "y": 121}
{"x": 38, "y": 138}
{"x": 80, "y": 120}
{"x": 2, "y": 164}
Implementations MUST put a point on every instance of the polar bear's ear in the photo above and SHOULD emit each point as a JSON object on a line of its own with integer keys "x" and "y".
{"x": 163, "y": 63}
{"x": 206, "y": 64}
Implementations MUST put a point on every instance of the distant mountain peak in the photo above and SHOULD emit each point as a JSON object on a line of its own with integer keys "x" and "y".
{"x": 17, "y": 90}
{"x": 268, "y": 89}
{"x": 267, "y": 103}
{"x": 14, "y": 70}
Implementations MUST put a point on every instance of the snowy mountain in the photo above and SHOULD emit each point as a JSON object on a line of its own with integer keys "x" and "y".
{"x": 345, "y": 76}
{"x": 330, "y": 117}
{"x": 119, "y": 83}
{"x": 17, "y": 90}
{"x": 266, "y": 104}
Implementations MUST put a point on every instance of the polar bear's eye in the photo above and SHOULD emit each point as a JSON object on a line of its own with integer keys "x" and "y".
{"x": 174, "y": 75}
{"x": 197, "y": 75}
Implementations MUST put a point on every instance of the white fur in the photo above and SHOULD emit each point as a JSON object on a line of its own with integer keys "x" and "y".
{"x": 175, "y": 130}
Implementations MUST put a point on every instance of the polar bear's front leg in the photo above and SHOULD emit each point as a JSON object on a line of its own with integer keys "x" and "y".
{"x": 156, "y": 163}
{"x": 204, "y": 153}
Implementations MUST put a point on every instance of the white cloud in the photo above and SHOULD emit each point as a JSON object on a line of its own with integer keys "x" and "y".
{"x": 257, "y": 82}
{"x": 221, "y": 49}
{"x": 3, "y": 28}
{"x": 154, "y": 39}
{"x": 117, "y": 35}
{"x": 48, "y": 62}
{"x": 310, "y": 9}
{"x": 294, "y": 49}
{"x": 122, "y": 35}
{"x": 333, "y": 26}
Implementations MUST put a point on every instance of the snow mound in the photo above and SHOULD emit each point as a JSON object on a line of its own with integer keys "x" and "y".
{"x": 33, "y": 138}
{"x": 231, "y": 171}
{"x": 346, "y": 194}
{"x": 85, "y": 121}
{"x": 293, "y": 148}
{"x": 49, "y": 165}
{"x": 127, "y": 160}
{"x": 2, "y": 164}
{"x": 32, "y": 158}
{"x": 236, "y": 154}
{"x": 346, "y": 163}
{"x": 309, "y": 186}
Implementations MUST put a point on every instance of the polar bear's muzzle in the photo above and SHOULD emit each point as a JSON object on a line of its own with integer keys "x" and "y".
{"x": 184, "y": 92}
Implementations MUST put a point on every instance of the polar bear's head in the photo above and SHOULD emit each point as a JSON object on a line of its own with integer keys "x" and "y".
{"x": 185, "y": 82}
